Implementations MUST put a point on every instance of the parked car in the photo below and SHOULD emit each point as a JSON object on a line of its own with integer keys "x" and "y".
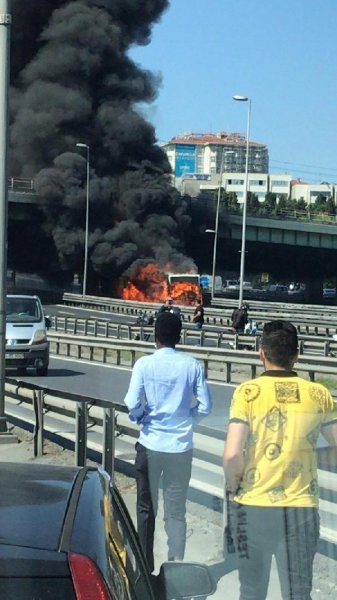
{"x": 26, "y": 335}
{"x": 66, "y": 534}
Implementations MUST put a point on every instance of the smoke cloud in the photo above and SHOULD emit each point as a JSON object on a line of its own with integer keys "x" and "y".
{"x": 73, "y": 81}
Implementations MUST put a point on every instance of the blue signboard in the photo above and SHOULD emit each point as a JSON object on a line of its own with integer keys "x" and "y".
{"x": 185, "y": 159}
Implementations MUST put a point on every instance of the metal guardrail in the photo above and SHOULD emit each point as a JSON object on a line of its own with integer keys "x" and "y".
{"x": 211, "y": 358}
{"x": 310, "y": 216}
{"x": 320, "y": 324}
{"x": 39, "y": 399}
{"x": 111, "y": 330}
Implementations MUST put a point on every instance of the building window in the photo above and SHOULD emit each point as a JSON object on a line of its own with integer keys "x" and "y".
{"x": 256, "y": 182}
{"x": 279, "y": 183}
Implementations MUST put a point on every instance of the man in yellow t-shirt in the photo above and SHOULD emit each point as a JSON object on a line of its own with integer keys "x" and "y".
{"x": 271, "y": 469}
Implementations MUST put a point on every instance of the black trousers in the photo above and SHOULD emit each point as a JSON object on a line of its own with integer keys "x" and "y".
{"x": 175, "y": 470}
{"x": 290, "y": 534}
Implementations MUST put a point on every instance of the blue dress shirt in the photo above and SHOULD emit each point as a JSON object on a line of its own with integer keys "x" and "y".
{"x": 167, "y": 395}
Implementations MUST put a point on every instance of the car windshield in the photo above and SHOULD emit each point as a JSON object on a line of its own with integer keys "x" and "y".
{"x": 26, "y": 310}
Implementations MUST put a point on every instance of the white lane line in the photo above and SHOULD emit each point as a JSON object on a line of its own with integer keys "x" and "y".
{"x": 64, "y": 312}
{"x": 99, "y": 312}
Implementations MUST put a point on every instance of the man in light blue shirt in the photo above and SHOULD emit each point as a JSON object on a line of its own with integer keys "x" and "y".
{"x": 167, "y": 395}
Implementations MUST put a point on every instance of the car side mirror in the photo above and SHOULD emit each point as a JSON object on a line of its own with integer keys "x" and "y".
{"x": 47, "y": 321}
{"x": 181, "y": 580}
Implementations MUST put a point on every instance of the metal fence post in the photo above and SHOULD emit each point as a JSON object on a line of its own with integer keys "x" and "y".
{"x": 81, "y": 434}
{"x": 38, "y": 397}
{"x": 109, "y": 415}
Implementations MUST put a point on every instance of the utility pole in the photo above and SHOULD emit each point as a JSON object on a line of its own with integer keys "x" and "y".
{"x": 5, "y": 25}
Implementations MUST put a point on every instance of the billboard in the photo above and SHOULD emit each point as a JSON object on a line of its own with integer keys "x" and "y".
{"x": 185, "y": 159}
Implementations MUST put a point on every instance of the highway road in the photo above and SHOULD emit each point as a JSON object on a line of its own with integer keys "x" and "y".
{"x": 107, "y": 382}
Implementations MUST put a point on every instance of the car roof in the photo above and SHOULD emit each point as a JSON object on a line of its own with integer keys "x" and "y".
{"x": 33, "y": 503}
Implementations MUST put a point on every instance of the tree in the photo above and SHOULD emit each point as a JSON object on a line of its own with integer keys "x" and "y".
{"x": 269, "y": 205}
{"x": 301, "y": 205}
{"x": 320, "y": 205}
{"x": 253, "y": 204}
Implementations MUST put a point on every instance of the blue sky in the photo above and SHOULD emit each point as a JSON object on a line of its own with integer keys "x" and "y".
{"x": 280, "y": 53}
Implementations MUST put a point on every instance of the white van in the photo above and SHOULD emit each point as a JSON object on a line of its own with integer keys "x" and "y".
{"x": 26, "y": 334}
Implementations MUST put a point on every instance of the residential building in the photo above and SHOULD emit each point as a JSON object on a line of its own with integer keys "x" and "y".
{"x": 203, "y": 153}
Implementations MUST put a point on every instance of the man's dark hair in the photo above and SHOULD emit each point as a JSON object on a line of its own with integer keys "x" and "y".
{"x": 167, "y": 329}
{"x": 279, "y": 342}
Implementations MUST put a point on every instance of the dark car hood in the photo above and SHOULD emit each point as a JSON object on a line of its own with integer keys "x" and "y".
{"x": 33, "y": 503}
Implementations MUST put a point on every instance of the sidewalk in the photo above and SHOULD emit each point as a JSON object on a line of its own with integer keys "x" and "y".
{"x": 204, "y": 528}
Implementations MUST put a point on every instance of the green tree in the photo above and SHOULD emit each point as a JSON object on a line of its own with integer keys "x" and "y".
{"x": 253, "y": 204}
{"x": 331, "y": 208}
{"x": 320, "y": 205}
{"x": 269, "y": 205}
{"x": 301, "y": 205}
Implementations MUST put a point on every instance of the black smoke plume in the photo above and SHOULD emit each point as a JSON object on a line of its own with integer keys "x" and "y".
{"x": 73, "y": 81}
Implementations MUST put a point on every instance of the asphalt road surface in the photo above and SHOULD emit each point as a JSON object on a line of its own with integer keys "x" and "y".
{"x": 105, "y": 382}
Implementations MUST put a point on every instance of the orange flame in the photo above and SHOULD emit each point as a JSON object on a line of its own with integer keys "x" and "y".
{"x": 150, "y": 284}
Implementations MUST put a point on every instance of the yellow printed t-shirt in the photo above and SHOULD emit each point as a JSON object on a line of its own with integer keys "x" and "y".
{"x": 284, "y": 414}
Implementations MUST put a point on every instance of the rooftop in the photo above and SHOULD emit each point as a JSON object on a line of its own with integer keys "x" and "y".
{"x": 223, "y": 137}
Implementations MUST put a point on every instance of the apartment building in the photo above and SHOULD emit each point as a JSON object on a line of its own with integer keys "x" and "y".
{"x": 204, "y": 153}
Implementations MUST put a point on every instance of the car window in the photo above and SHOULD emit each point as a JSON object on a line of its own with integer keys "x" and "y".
{"x": 19, "y": 309}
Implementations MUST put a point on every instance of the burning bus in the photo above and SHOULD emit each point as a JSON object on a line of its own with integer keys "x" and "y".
{"x": 148, "y": 282}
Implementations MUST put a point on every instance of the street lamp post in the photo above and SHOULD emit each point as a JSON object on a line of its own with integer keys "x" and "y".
{"x": 245, "y": 196}
{"x": 5, "y": 27}
{"x": 216, "y": 228}
{"x": 85, "y": 268}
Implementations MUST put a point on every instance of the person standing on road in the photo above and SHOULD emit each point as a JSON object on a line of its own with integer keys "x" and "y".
{"x": 167, "y": 396}
{"x": 198, "y": 317}
{"x": 271, "y": 469}
{"x": 169, "y": 307}
{"x": 240, "y": 318}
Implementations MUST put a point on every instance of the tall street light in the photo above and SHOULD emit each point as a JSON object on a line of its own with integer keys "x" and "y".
{"x": 216, "y": 229}
{"x": 85, "y": 268}
{"x": 245, "y": 195}
{"x": 5, "y": 27}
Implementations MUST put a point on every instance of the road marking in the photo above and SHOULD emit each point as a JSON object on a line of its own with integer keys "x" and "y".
{"x": 99, "y": 312}
{"x": 66, "y": 313}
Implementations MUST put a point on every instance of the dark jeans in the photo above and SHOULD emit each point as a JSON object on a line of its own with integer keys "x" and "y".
{"x": 290, "y": 534}
{"x": 175, "y": 470}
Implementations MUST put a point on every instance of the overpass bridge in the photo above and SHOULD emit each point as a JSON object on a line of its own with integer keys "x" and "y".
{"x": 294, "y": 228}
{"x": 292, "y": 245}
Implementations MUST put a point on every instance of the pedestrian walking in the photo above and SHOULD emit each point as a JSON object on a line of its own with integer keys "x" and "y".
{"x": 271, "y": 469}
{"x": 198, "y": 317}
{"x": 167, "y": 396}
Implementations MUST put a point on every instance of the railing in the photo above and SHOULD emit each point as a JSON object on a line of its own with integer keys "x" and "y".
{"x": 45, "y": 399}
{"x": 217, "y": 362}
{"x": 263, "y": 212}
{"x": 21, "y": 184}
{"x": 224, "y": 338}
{"x": 305, "y": 323}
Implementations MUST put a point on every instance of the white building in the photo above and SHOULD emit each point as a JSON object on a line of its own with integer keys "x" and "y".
{"x": 310, "y": 191}
{"x": 259, "y": 184}
{"x": 203, "y": 153}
